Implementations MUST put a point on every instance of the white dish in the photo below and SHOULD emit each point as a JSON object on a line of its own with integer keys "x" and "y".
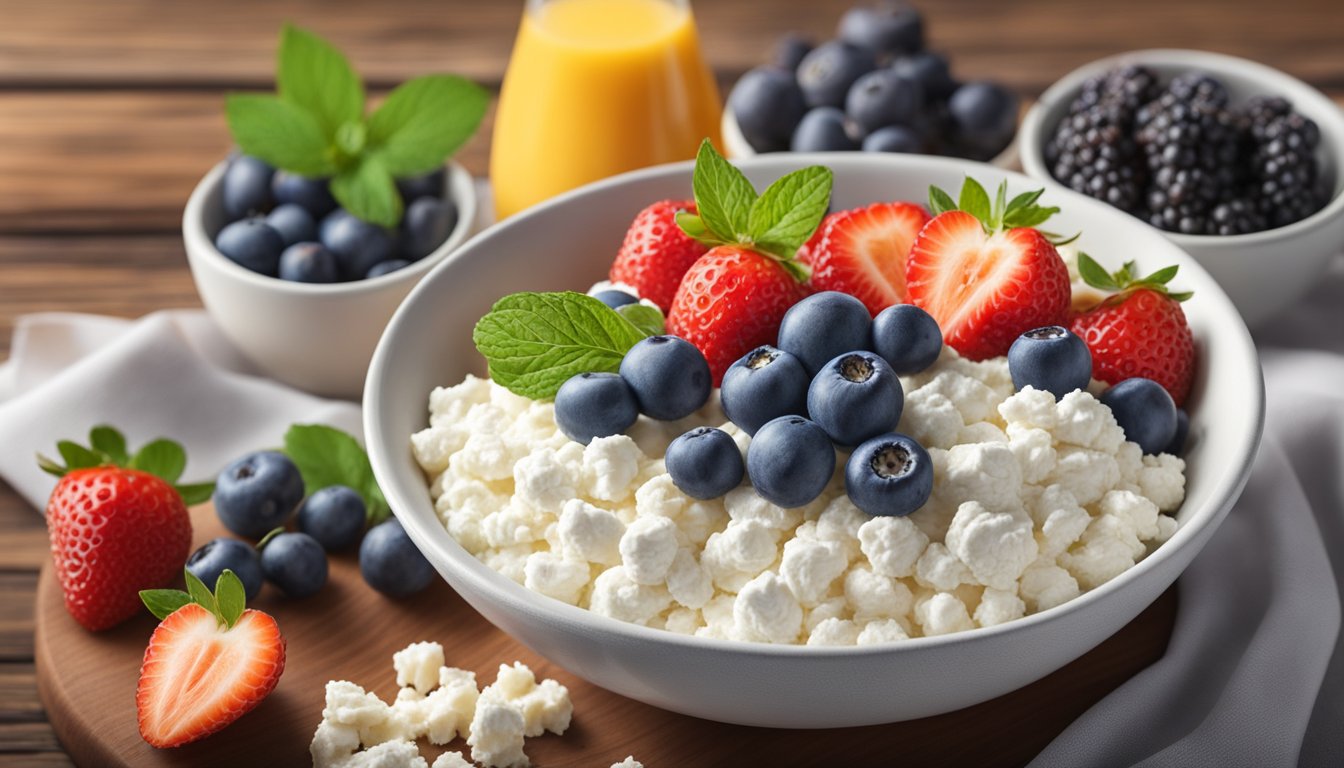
{"x": 568, "y": 243}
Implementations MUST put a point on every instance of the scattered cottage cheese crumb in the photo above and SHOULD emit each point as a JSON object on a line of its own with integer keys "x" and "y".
{"x": 628, "y": 762}
{"x": 451, "y": 760}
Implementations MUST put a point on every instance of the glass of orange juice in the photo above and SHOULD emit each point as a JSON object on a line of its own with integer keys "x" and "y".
{"x": 595, "y": 88}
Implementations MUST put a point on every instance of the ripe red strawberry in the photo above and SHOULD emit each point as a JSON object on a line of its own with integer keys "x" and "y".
{"x": 807, "y": 249}
{"x": 656, "y": 253}
{"x": 730, "y": 302}
{"x": 205, "y": 666}
{"x": 1140, "y": 330}
{"x": 983, "y": 279}
{"x": 863, "y": 252}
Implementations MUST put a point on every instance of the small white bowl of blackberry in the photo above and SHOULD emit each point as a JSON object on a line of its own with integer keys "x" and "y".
{"x": 303, "y": 243}
{"x": 875, "y": 88}
{"x": 1237, "y": 162}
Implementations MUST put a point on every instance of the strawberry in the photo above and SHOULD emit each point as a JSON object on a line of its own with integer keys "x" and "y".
{"x": 656, "y": 253}
{"x": 984, "y": 273}
{"x": 863, "y": 252}
{"x": 806, "y": 250}
{"x": 1138, "y": 330}
{"x": 209, "y": 662}
{"x": 115, "y": 530}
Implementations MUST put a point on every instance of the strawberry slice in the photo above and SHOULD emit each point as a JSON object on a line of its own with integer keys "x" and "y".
{"x": 656, "y": 253}
{"x": 863, "y": 252}
{"x": 985, "y": 281}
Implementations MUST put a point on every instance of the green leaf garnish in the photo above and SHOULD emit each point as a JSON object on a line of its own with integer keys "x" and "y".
{"x": 161, "y": 457}
{"x": 370, "y": 188}
{"x": 1021, "y": 211}
{"x": 940, "y": 201}
{"x": 78, "y": 457}
{"x": 196, "y": 493}
{"x": 163, "y": 602}
{"x": 315, "y": 76}
{"x": 649, "y": 320}
{"x": 109, "y": 442}
{"x": 1126, "y": 279}
{"x": 975, "y": 201}
{"x": 789, "y": 211}
{"x": 227, "y": 602}
{"x": 326, "y": 456}
{"x": 723, "y": 196}
{"x": 425, "y": 120}
{"x": 200, "y": 593}
{"x": 279, "y": 132}
{"x": 534, "y": 342}
{"x": 230, "y": 597}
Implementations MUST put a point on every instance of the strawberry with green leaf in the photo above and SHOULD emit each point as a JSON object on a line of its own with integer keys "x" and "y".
{"x": 118, "y": 523}
{"x": 733, "y": 298}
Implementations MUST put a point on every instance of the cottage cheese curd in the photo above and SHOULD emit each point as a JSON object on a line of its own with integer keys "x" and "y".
{"x": 1034, "y": 502}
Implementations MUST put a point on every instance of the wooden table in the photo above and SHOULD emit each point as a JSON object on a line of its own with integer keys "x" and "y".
{"x": 111, "y": 111}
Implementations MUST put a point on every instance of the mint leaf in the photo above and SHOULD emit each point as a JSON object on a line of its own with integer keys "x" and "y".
{"x": 279, "y": 132}
{"x": 723, "y": 196}
{"x": 196, "y": 493}
{"x": 163, "y": 602}
{"x": 369, "y": 192}
{"x": 534, "y": 342}
{"x": 230, "y": 596}
{"x": 78, "y": 457}
{"x": 424, "y": 121}
{"x": 789, "y": 210}
{"x": 649, "y": 320}
{"x": 326, "y": 456}
{"x": 940, "y": 201}
{"x": 109, "y": 442}
{"x": 694, "y": 226}
{"x": 974, "y": 200}
{"x": 200, "y": 593}
{"x": 312, "y": 74}
{"x": 162, "y": 458}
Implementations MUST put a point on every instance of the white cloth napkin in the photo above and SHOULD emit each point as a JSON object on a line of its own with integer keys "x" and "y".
{"x": 1254, "y": 674}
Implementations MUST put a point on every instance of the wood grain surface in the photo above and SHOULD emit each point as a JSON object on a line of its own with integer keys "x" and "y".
{"x": 110, "y": 113}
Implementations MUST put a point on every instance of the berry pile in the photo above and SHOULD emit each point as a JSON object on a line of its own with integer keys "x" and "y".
{"x": 874, "y": 88}
{"x": 1182, "y": 158}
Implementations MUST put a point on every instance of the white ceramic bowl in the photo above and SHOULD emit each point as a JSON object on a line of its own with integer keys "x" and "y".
{"x": 1263, "y": 272}
{"x": 568, "y": 243}
{"x": 314, "y": 337}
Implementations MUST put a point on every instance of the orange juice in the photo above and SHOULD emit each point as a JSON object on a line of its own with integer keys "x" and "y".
{"x": 595, "y": 88}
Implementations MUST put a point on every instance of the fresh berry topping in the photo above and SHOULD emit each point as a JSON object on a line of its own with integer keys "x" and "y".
{"x": 309, "y": 263}
{"x": 294, "y": 562}
{"x": 1283, "y": 167}
{"x": 427, "y": 224}
{"x": 668, "y": 375}
{"x": 592, "y": 405}
{"x": 823, "y": 129}
{"x": 764, "y": 384}
{"x": 826, "y": 74}
{"x": 790, "y": 460}
{"x": 1145, "y": 411}
{"x": 767, "y": 105}
{"x": 984, "y": 273}
{"x": 334, "y": 516}
{"x": 656, "y": 253}
{"x": 313, "y": 195}
{"x": 614, "y": 298}
{"x": 931, "y": 70}
{"x": 246, "y": 187}
{"x": 390, "y": 563}
{"x": 894, "y": 138}
{"x": 705, "y": 463}
{"x": 907, "y": 337}
{"x": 432, "y": 184}
{"x": 1191, "y": 149}
{"x": 358, "y": 245}
{"x": 252, "y": 243}
{"x": 883, "y": 97}
{"x": 888, "y": 28}
{"x": 864, "y": 252}
{"x": 984, "y": 118}
{"x": 1177, "y": 445}
{"x": 218, "y": 555}
{"x": 889, "y": 474}
{"x": 824, "y": 325}
{"x": 257, "y": 493}
{"x": 854, "y": 397}
{"x": 789, "y": 51}
{"x": 1050, "y": 359}
{"x": 294, "y": 224}
{"x": 386, "y": 268}
{"x": 1138, "y": 331}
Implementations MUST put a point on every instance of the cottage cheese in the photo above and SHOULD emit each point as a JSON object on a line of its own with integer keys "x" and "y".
{"x": 1035, "y": 501}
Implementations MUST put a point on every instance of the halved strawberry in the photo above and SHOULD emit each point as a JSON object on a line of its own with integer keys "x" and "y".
{"x": 863, "y": 252}
{"x": 806, "y": 250}
{"x": 656, "y": 253}
{"x": 984, "y": 280}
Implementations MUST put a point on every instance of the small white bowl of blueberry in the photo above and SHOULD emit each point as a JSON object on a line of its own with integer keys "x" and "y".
{"x": 874, "y": 88}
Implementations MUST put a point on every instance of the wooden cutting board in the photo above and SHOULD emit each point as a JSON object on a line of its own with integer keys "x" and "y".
{"x": 87, "y": 683}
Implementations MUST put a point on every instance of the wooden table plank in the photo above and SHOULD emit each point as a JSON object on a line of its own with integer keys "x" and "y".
{"x": 16, "y": 617}
{"x": 18, "y": 691}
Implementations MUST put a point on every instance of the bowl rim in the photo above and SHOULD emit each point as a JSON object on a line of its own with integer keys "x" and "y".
{"x": 1032, "y": 132}
{"x": 518, "y": 598}
{"x": 458, "y": 182}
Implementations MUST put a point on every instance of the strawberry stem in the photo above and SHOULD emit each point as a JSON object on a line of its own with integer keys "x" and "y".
{"x": 1125, "y": 280}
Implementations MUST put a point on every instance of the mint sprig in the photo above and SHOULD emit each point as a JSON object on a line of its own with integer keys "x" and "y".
{"x": 649, "y": 320}
{"x": 1002, "y": 214}
{"x": 534, "y": 342}
{"x": 326, "y": 456}
{"x": 315, "y": 125}
{"x": 1126, "y": 279}
{"x": 163, "y": 458}
{"x": 227, "y": 602}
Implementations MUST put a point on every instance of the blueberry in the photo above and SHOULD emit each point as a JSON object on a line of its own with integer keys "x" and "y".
{"x": 431, "y": 184}
{"x": 767, "y": 104}
{"x": 824, "y": 325}
{"x": 313, "y": 195}
{"x": 295, "y": 563}
{"x": 790, "y": 461}
{"x": 823, "y": 130}
{"x": 593, "y": 405}
{"x": 1177, "y": 445}
{"x": 894, "y": 138}
{"x": 386, "y": 268}
{"x": 881, "y": 98}
{"x": 390, "y": 563}
{"x": 932, "y": 72}
{"x": 252, "y": 243}
{"x": 890, "y": 28}
{"x": 907, "y": 337}
{"x": 294, "y": 224}
{"x": 1050, "y": 359}
{"x": 1145, "y": 411}
{"x": 216, "y": 555}
{"x": 257, "y": 493}
{"x": 246, "y": 187}
{"x": 309, "y": 263}
{"x": 613, "y": 298}
{"x": 825, "y": 74}
{"x": 764, "y": 384}
{"x": 426, "y": 225}
{"x": 854, "y": 397}
{"x": 705, "y": 463}
{"x": 358, "y": 245}
{"x": 790, "y": 50}
{"x": 669, "y": 376}
{"x": 334, "y": 516}
{"x": 984, "y": 118}
{"x": 889, "y": 474}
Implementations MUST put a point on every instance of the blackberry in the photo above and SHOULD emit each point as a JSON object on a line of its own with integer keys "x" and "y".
{"x": 1198, "y": 88}
{"x": 1283, "y": 163}
{"x": 1237, "y": 216}
{"x": 1192, "y": 147}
